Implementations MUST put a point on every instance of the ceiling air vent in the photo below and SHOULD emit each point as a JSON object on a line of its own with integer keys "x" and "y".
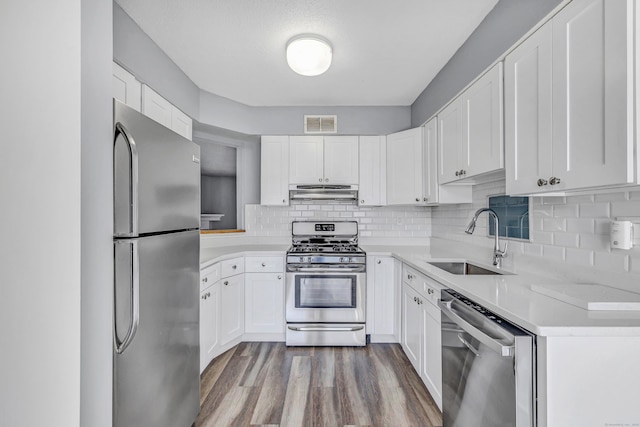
{"x": 320, "y": 124}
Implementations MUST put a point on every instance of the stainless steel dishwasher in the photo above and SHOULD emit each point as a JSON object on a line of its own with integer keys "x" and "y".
{"x": 488, "y": 367}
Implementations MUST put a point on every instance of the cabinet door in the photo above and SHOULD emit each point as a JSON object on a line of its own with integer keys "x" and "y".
{"x": 450, "y": 142}
{"x": 209, "y": 308}
{"x": 412, "y": 327}
{"x": 528, "y": 114}
{"x": 341, "y": 160}
{"x": 181, "y": 123}
{"x": 384, "y": 296}
{"x": 306, "y": 160}
{"x": 264, "y": 303}
{"x": 592, "y": 96}
{"x": 126, "y": 88}
{"x": 404, "y": 167}
{"x": 231, "y": 308}
{"x": 432, "y": 352}
{"x": 482, "y": 129}
{"x": 430, "y": 186}
{"x": 274, "y": 171}
{"x": 372, "y": 170}
{"x": 156, "y": 107}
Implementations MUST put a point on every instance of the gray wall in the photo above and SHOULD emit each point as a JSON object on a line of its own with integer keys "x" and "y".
{"x": 96, "y": 242}
{"x": 218, "y": 195}
{"x": 503, "y": 26}
{"x": 136, "y": 52}
{"x": 218, "y": 111}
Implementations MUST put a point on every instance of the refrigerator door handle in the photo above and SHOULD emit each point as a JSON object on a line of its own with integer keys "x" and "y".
{"x": 133, "y": 179}
{"x": 121, "y": 346}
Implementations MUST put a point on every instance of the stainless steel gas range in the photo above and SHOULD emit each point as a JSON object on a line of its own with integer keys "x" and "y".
{"x": 325, "y": 285}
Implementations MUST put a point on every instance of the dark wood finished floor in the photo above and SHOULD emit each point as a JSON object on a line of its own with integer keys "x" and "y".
{"x": 269, "y": 384}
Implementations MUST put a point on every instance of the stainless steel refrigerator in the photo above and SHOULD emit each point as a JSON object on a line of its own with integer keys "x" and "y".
{"x": 156, "y": 379}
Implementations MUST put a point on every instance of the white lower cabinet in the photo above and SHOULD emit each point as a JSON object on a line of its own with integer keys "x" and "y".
{"x": 264, "y": 304}
{"x": 383, "y": 299}
{"x": 231, "y": 309}
{"x": 412, "y": 326}
{"x": 421, "y": 334}
{"x": 209, "y": 309}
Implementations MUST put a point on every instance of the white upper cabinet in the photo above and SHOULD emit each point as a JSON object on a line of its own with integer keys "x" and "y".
{"x": 433, "y": 193}
{"x": 341, "y": 160}
{"x": 373, "y": 171}
{"x": 471, "y": 142}
{"x": 592, "y": 94}
{"x": 126, "y": 88}
{"x": 323, "y": 160}
{"x": 162, "y": 111}
{"x": 528, "y": 113}
{"x": 274, "y": 171}
{"x": 569, "y": 100}
{"x": 405, "y": 168}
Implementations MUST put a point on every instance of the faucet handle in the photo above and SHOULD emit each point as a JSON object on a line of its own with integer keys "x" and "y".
{"x": 503, "y": 253}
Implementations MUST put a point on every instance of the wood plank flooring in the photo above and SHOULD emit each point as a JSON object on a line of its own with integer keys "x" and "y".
{"x": 269, "y": 384}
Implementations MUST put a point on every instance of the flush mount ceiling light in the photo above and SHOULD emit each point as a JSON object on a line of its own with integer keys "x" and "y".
{"x": 309, "y": 55}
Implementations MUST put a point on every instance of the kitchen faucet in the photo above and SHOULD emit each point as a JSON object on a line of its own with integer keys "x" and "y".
{"x": 497, "y": 253}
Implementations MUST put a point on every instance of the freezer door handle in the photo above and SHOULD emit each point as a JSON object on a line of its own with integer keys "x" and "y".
{"x": 121, "y": 346}
{"x": 133, "y": 179}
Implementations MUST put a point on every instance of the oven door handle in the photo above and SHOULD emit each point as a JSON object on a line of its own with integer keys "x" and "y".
{"x": 295, "y": 269}
{"x": 502, "y": 350}
{"x": 324, "y": 329}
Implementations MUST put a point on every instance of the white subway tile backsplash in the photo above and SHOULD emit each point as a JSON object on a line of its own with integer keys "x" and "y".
{"x": 567, "y": 240}
{"x": 573, "y": 229}
{"x": 579, "y": 257}
{"x": 594, "y": 210}
{"x": 626, "y": 208}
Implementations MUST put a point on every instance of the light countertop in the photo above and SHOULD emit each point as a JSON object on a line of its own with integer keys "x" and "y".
{"x": 510, "y": 295}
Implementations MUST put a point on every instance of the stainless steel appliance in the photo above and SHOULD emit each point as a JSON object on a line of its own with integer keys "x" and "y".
{"x": 325, "y": 285}
{"x": 156, "y": 265}
{"x": 488, "y": 367}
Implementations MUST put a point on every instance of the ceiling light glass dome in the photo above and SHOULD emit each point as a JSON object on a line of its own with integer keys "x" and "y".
{"x": 309, "y": 55}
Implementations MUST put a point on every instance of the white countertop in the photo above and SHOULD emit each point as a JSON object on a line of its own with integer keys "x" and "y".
{"x": 509, "y": 296}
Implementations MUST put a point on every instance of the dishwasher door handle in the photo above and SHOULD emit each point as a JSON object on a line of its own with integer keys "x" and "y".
{"x": 501, "y": 349}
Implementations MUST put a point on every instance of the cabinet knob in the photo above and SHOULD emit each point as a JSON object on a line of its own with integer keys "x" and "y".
{"x": 319, "y": 179}
{"x": 204, "y": 296}
{"x": 284, "y": 201}
{"x": 541, "y": 182}
{"x": 463, "y": 172}
{"x": 205, "y": 280}
{"x": 279, "y": 277}
{"x": 457, "y": 173}
{"x": 425, "y": 199}
{"x": 326, "y": 180}
{"x": 208, "y": 294}
{"x": 379, "y": 261}
{"x": 415, "y": 299}
{"x": 226, "y": 282}
{"x": 234, "y": 267}
{"x": 264, "y": 265}
{"x": 409, "y": 276}
{"x": 361, "y": 201}
{"x": 554, "y": 181}
{"x": 417, "y": 199}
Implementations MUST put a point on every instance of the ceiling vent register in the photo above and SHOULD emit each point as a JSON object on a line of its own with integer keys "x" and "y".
{"x": 320, "y": 124}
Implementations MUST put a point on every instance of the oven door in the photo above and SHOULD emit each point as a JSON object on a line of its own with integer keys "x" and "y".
{"x": 325, "y": 296}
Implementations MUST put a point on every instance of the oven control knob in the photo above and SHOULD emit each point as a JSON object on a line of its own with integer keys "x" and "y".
{"x": 301, "y": 259}
{"x": 350, "y": 259}
{"x": 341, "y": 259}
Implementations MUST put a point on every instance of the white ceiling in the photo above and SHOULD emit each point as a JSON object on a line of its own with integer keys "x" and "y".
{"x": 385, "y": 52}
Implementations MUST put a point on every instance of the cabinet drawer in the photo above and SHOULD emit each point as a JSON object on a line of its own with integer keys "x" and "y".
{"x": 264, "y": 264}
{"x": 209, "y": 276}
{"x": 431, "y": 289}
{"x": 231, "y": 267}
{"x": 413, "y": 277}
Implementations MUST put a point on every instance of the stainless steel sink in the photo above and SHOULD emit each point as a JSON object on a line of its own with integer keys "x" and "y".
{"x": 463, "y": 268}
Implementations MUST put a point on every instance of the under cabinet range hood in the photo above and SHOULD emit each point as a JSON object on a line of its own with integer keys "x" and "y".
{"x": 345, "y": 193}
